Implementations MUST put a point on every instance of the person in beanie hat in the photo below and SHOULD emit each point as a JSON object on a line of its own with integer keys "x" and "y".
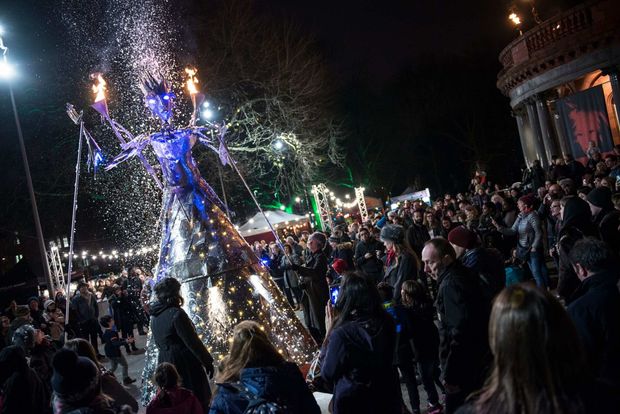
{"x": 600, "y": 203}
{"x": 22, "y": 317}
{"x": 340, "y": 266}
{"x": 462, "y": 239}
{"x": 77, "y": 385}
{"x": 488, "y": 264}
{"x": 401, "y": 262}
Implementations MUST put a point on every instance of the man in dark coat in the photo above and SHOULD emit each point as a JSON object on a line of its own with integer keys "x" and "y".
{"x": 417, "y": 233}
{"x": 488, "y": 264}
{"x": 366, "y": 258}
{"x": 133, "y": 285}
{"x": 463, "y": 320}
{"x": 595, "y": 309}
{"x": 87, "y": 314}
{"x": 314, "y": 285}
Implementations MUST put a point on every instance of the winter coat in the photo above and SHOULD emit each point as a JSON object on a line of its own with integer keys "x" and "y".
{"x": 291, "y": 279}
{"x": 176, "y": 401}
{"x": 55, "y": 322}
{"x": 528, "y": 229}
{"x": 177, "y": 342}
{"x": 357, "y": 366}
{"x": 22, "y": 392}
{"x": 86, "y": 309}
{"x": 112, "y": 343}
{"x": 423, "y": 331}
{"x": 373, "y": 265}
{"x": 463, "y": 319}
{"x": 576, "y": 224}
{"x": 282, "y": 384}
{"x": 488, "y": 264}
{"x": 595, "y": 311}
{"x": 315, "y": 289}
{"x": 416, "y": 236}
{"x": 609, "y": 230}
{"x": 405, "y": 267}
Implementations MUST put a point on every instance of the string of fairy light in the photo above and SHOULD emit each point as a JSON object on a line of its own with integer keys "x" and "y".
{"x": 338, "y": 201}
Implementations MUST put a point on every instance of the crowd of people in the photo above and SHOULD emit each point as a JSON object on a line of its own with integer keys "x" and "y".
{"x": 496, "y": 300}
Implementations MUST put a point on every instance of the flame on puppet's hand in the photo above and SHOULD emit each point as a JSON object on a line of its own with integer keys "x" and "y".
{"x": 192, "y": 80}
{"x": 99, "y": 87}
{"x": 158, "y": 96}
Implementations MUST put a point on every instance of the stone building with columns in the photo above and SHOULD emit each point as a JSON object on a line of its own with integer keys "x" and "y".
{"x": 569, "y": 53}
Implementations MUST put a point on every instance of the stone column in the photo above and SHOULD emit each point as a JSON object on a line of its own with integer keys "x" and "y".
{"x": 545, "y": 130}
{"x": 520, "y": 117}
{"x": 532, "y": 115}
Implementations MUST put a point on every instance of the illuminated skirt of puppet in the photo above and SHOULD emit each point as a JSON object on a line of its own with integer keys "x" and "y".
{"x": 222, "y": 281}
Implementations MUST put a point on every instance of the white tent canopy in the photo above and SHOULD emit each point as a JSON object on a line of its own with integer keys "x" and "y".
{"x": 277, "y": 218}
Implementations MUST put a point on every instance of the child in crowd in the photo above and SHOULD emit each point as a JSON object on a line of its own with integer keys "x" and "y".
{"x": 112, "y": 347}
{"x": 171, "y": 398}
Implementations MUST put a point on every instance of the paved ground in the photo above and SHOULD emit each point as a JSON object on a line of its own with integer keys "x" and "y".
{"x": 136, "y": 364}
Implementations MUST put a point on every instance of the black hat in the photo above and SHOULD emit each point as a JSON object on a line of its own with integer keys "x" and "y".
{"x": 600, "y": 197}
{"x": 75, "y": 378}
{"x": 393, "y": 233}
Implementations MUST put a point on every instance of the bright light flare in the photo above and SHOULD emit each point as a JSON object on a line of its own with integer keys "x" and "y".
{"x": 6, "y": 70}
{"x": 192, "y": 80}
{"x": 278, "y": 145}
{"x": 514, "y": 19}
{"x": 99, "y": 87}
{"x": 207, "y": 114}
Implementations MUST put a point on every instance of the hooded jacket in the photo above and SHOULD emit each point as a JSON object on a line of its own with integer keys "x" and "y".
{"x": 282, "y": 384}
{"x": 357, "y": 365}
{"x": 576, "y": 224}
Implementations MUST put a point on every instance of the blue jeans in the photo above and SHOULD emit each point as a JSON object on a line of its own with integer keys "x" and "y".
{"x": 536, "y": 261}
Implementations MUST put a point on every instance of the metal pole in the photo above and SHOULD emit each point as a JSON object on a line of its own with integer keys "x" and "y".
{"x": 73, "y": 216}
{"x": 219, "y": 170}
{"x": 33, "y": 201}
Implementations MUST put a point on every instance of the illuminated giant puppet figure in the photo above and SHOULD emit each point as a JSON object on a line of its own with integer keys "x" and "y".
{"x": 222, "y": 280}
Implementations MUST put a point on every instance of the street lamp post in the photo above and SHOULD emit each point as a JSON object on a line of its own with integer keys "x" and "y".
{"x": 6, "y": 71}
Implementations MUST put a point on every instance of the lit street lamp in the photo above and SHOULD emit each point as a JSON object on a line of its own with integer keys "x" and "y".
{"x": 6, "y": 72}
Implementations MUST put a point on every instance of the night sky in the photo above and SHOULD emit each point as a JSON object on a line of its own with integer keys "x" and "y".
{"x": 406, "y": 75}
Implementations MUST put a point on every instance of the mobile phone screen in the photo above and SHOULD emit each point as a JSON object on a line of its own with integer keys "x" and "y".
{"x": 333, "y": 293}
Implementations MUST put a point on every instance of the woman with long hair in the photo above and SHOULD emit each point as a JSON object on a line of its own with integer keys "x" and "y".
{"x": 177, "y": 340}
{"x": 401, "y": 262}
{"x": 109, "y": 384}
{"x": 255, "y": 374}
{"x": 539, "y": 365}
{"x": 358, "y": 354}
